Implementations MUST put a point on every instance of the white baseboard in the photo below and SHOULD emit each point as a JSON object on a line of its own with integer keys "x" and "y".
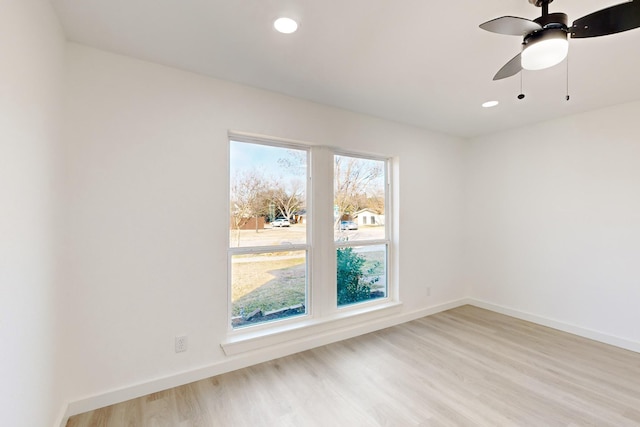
{"x": 561, "y": 326}
{"x": 247, "y": 359}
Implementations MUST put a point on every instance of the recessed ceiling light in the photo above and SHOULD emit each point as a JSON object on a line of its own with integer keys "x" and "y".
{"x": 490, "y": 104}
{"x": 285, "y": 25}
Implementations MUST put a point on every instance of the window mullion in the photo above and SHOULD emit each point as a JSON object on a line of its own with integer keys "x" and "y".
{"x": 323, "y": 262}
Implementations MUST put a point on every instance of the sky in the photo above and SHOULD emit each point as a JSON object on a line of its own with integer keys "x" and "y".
{"x": 248, "y": 156}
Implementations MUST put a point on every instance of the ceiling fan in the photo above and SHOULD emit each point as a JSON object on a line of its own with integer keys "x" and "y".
{"x": 545, "y": 42}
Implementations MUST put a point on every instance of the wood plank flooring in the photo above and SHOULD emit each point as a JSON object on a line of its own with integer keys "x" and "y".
{"x": 463, "y": 367}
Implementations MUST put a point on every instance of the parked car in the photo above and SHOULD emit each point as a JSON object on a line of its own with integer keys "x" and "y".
{"x": 281, "y": 222}
{"x": 348, "y": 225}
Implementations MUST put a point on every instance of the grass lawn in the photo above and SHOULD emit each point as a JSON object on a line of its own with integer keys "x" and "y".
{"x": 268, "y": 284}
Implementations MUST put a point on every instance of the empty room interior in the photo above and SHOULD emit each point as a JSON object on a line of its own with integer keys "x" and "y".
{"x": 375, "y": 216}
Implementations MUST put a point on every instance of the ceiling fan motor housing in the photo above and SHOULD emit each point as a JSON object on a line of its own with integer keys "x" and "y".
{"x": 553, "y": 23}
{"x": 539, "y": 3}
{"x": 553, "y": 20}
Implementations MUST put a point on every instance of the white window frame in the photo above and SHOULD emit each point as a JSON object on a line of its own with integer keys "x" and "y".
{"x": 322, "y": 311}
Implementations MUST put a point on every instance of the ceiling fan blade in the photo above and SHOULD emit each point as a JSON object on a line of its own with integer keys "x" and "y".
{"x": 509, "y": 69}
{"x": 611, "y": 20}
{"x": 511, "y": 26}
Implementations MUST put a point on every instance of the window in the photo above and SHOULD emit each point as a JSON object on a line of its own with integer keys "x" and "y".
{"x": 282, "y": 234}
{"x": 268, "y": 233}
{"x": 361, "y": 252}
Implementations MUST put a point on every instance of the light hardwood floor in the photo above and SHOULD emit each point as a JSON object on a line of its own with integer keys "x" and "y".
{"x": 463, "y": 367}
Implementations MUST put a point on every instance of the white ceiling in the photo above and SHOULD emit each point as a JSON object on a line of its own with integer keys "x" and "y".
{"x": 419, "y": 62}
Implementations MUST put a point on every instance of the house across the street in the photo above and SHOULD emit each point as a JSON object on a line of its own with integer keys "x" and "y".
{"x": 368, "y": 217}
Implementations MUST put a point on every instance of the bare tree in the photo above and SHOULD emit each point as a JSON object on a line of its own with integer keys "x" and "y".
{"x": 289, "y": 200}
{"x": 355, "y": 180}
{"x": 295, "y": 162}
{"x": 376, "y": 201}
{"x": 288, "y": 194}
{"x": 247, "y": 199}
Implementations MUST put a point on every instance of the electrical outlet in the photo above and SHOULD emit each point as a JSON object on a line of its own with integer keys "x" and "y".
{"x": 429, "y": 291}
{"x": 181, "y": 344}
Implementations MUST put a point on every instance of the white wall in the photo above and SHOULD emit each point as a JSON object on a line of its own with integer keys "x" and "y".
{"x": 146, "y": 189}
{"x": 554, "y": 221}
{"x": 31, "y": 73}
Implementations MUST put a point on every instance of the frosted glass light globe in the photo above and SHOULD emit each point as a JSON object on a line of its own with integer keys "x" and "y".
{"x": 547, "y": 51}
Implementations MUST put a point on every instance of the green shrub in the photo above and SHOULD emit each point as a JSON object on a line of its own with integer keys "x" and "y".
{"x": 352, "y": 285}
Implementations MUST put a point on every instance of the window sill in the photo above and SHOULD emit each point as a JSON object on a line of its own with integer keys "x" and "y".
{"x": 244, "y": 341}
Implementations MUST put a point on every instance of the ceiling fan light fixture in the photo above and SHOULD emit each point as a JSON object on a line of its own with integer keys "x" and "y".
{"x": 545, "y": 49}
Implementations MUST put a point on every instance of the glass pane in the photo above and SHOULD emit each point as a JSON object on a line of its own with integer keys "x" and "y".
{"x": 268, "y": 195}
{"x": 267, "y": 287}
{"x": 362, "y": 273}
{"x": 358, "y": 199}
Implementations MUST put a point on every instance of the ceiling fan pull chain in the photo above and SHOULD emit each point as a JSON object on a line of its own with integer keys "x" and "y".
{"x": 521, "y": 96}
{"x": 568, "y": 97}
